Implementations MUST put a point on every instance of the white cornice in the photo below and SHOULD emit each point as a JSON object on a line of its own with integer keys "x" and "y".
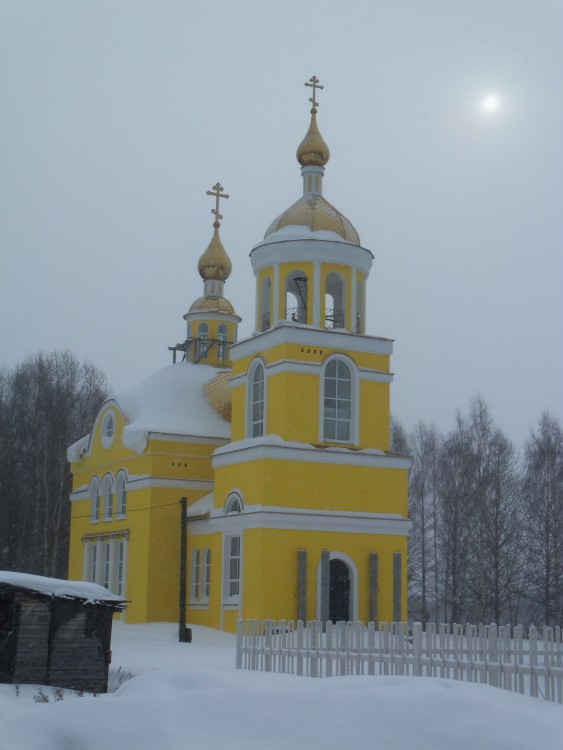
{"x": 243, "y": 451}
{"x": 287, "y": 332}
{"x": 267, "y": 253}
{"x": 267, "y": 517}
{"x": 175, "y": 438}
{"x": 205, "y": 315}
{"x": 311, "y": 368}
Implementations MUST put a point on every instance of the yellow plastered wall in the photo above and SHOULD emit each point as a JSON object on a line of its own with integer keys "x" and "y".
{"x": 318, "y": 486}
{"x": 269, "y": 551}
{"x": 152, "y": 519}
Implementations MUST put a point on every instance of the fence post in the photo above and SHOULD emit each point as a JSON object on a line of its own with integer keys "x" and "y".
{"x": 533, "y": 639}
{"x": 239, "y": 644}
{"x": 300, "y": 648}
{"x": 417, "y": 649}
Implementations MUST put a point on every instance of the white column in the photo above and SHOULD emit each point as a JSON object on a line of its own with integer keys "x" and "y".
{"x": 353, "y": 300}
{"x": 276, "y": 293}
{"x": 317, "y": 294}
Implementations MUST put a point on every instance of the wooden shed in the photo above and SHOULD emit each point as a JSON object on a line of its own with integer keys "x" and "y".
{"x": 55, "y": 632}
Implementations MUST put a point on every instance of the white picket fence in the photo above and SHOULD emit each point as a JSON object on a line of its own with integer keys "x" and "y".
{"x": 499, "y": 656}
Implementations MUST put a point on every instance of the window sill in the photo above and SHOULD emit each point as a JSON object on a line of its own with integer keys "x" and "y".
{"x": 120, "y": 517}
{"x": 231, "y": 604}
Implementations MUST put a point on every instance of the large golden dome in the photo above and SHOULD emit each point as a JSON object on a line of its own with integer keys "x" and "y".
{"x": 218, "y": 394}
{"x": 316, "y": 213}
{"x": 215, "y": 263}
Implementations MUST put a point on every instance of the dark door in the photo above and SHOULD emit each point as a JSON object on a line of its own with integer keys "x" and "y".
{"x": 339, "y": 594}
{"x": 8, "y": 626}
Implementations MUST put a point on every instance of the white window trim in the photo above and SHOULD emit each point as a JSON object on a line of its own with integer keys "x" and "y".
{"x": 354, "y": 426}
{"x": 234, "y": 496}
{"x": 107, "y": 488}
{"x": 235, "y": 600}
{"x": 206, "y": 572}
{"x": 249, "y": 396}
{"x": 195, "y": 576}
{"x": 107, "y": 440}
{"x": 95, "y": 500}
{"x": 98, "y": 543}
{"x": 120, "y": 489}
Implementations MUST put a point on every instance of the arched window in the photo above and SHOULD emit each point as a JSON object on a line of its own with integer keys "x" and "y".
{"x": 338, "y": 406}
{"x": 202, "y": 341}
{"x": 222, "y": 345}
{"x": 256, "y": 400}
{"x": 206, "y": 573}
{"x": 296, "y": 298}
{"x": 234, "y": 503}
{"x": 335, "y": 310}
{"x": 265, "y": 315}
{"x": 195, "y": 575}
{"x": 121, "y": 495}
{"x": 107, "y": 431}
{"x": 107, "y": 494}
{"x": 95, "y": 500}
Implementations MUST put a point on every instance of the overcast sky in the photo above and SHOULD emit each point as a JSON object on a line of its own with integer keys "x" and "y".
{"x": 118, "y": 115}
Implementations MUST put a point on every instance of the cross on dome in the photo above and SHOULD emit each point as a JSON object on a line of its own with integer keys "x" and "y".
{"x": 217, "y": 192}
{"x": 314, "y": 84}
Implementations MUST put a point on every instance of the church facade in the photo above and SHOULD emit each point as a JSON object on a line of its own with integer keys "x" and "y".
{"x": 296, "y": 509}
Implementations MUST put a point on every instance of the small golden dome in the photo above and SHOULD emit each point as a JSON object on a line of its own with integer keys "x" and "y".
{"x": 215, "y": 263}
{"x": 212, "y": 303}
{"x": 316, "y": 213}
{"x": 218, "y": 394}
{"x": 313, "y": 151}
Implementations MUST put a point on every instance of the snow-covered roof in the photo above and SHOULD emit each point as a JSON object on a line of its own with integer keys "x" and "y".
{"x": 90, "y": 592}
{"x": 170, "y": 401}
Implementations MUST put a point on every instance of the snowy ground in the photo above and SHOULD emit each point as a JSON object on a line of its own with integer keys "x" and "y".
{"x": 190, "y": 695}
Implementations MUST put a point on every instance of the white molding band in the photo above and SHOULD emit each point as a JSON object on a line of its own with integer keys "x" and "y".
{"x": 310, "y": 249}
{"x": 311, "y": 368}
{"x": 265, "y": 517}
{"x": 203, "y": 315}
{"x": 144, "y": 482}
{"x": 317, "y": 294}
{"x": 276, "y": 310}
{"x": 288, "y": 332}
{"x": 241, "y": 452}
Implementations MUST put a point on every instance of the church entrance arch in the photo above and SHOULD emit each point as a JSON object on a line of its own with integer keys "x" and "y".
{"x": 339, "y": 591}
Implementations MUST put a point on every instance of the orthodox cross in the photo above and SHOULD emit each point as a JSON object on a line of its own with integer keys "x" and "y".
{"x": 314, "y": 84}
{"x": 217, "y": 192}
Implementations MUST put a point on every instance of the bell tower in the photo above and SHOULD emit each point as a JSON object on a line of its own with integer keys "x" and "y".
{"x": 211, "y": 320}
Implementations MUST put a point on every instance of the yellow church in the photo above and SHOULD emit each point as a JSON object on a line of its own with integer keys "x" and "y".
{"x": 296, "y": 509}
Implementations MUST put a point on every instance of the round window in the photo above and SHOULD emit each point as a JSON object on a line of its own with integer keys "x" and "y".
{"x": 108, "y": 428}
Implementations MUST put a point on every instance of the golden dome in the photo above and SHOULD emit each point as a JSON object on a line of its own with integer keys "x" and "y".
{"x": 212, "y": 303}
{"x": 218, "y": 394}
{"x": 316, "y": 213}
{"x": 215, "y": 263}
{"x": 313, "y": 151}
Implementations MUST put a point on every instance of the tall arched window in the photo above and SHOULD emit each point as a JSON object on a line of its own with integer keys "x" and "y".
{"x": 195, "y": 574}
{"x": 206, "y": 573}
{"x": 335, "y": 310}
{"x": 107, "y": 494}
{"x": 338, "y": 406}
{"x": 95, "y": 499}
{"x": 202, "y": 341}
{"x": 256, "y": 398}
{"x": 222, "y": 345}
{"x": 296, "y": 298}
{"x": 121, "y": 495}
